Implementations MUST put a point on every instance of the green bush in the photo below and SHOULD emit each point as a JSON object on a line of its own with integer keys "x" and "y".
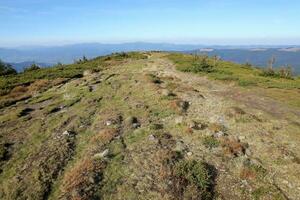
{"x": 32, "y": 67}
{"x": 200, "y": 64}
{"x": 283, "y": 72}
{"x": 195, "y": 174}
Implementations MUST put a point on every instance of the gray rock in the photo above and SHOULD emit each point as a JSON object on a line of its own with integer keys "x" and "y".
{"x": 109, "y": 122}
{"x": 87, "y": 72}
{"x": 248, "y": 152}
{"x": 180, "y": 146}
{"x": 189, "y": 154}
{"x": 166, "y": 92}
{"x": 91, "y": 179}
{"x": 101, "y": 155}
{"x": 67, "y": 133}
{"x": 136, "y": 125}
{"x": 219, "y": 134}
{"x": 242, "y": 137}
{"x": 151, "y": 137}
{"x": 179, "y": 120}
{"x": 184, "y": 105}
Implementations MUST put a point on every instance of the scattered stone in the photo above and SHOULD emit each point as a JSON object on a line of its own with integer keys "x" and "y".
{"x": 91, "y": 179}
{"x": 68, "y": 133}
{"x": 109, "y": 122}
{"x": 136, "y": 125}
{"x": 180, "y": 146}
{"x": 132, "y": 122}
{"x": 219, "y": 134}
{"x": 242, "y": 137}
{"x": 189, "y": 154}
{"x": 248, "y": 152}
{"x": 87, "y": 72}
{"x": 101, "y": 155}
{"x": 183, "y": 105}
{"x": 151, "y": 137}
{"x": 166, "y": 92}
{"x": 179, "y": 120}
{"x": 194, "y": 125}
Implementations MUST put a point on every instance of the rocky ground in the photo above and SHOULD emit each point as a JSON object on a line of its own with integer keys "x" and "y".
{"x": 140, "y": 129}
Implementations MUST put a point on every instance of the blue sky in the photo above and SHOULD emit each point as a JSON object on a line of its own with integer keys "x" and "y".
{"x": 52, "y": 22}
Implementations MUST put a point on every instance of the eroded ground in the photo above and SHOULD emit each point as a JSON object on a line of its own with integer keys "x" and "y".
{"x": 140, "y": 129}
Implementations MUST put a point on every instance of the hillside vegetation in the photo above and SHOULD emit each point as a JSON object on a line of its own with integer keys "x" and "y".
{"x": 149, "y": 125}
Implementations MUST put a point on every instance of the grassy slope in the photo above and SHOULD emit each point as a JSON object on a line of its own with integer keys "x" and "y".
{"x": 37, "y": 162}
{"x": 285, "y": 90}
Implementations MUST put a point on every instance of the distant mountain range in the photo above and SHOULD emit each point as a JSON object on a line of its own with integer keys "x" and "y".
{"x": 258, "y": 56}
{"x": 45, "y": 56}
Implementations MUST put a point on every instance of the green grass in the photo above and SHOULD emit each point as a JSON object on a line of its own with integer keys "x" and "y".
{"x": 196, "y": 174}
{"x": 244, "y": 76}
{"x": 63, "y": 71}
{"x": 229, "y": 71}
{"x": 210, "y": 142}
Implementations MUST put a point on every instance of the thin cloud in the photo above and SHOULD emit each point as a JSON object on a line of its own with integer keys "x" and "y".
{"x": 12, "y": 9}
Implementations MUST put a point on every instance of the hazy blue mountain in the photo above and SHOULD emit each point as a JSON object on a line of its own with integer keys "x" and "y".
{"x": 255, "y": 54}
{"x": 258, "y": 57}
{"x": 21, "y": 65}
{"x": 68, "y": 53}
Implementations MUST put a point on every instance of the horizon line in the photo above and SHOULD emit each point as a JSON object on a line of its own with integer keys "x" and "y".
{"x": 145, "y": 42}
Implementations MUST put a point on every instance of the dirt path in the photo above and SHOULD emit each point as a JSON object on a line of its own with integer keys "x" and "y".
{"x": 121, "y": 133}
{"x": 270, "y": 129}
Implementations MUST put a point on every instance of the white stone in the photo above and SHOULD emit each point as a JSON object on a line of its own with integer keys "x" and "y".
{"x": 101, "y": 155}
{"x": 179, "y": 120}
{"x": 66, "y": 133}
{"x": 151, "y": 137}
{"x": 108, "y": 123}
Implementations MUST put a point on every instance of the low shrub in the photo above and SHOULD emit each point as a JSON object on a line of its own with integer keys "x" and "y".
{"x": 32, "y": 67}
{"x": 283, "y": 72}
{"x": 194, "y": 180}
{"x": 210, "y": 142}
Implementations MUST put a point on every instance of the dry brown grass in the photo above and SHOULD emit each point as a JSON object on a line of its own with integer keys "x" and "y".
{"x": 179, "y": 105}
{"x": 215, "y": 127}
{"x": 233, "y": 147}
{"x": 248, "y": 173}
{"x": 77, "y": 182}
{"x": 235, "y": 111}
{"x": 39, "y": 85}
{"x": 18, "y": 91}
{"x": 104, "y": 136}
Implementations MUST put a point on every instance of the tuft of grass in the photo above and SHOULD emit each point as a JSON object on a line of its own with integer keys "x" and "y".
{"x": 210, "y": 142}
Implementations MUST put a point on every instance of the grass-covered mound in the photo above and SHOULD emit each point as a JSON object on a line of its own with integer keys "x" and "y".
{"x": 277, "y": 84}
